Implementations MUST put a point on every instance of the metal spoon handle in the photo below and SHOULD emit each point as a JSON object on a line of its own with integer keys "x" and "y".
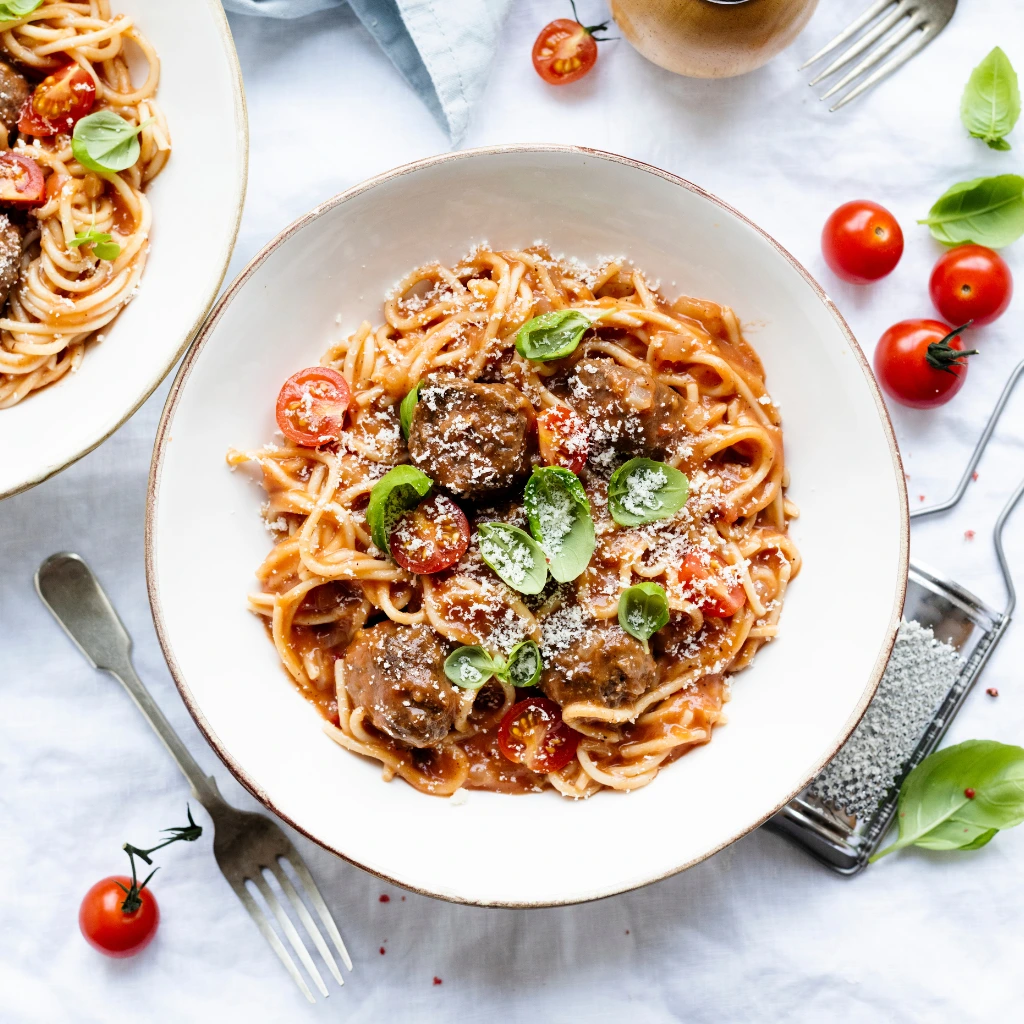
{"x": 69, "y": 589}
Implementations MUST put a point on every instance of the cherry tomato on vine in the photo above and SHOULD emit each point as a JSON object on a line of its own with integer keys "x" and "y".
{"x": 109, "y": 928}
{"x": 563, "y": 438}
{"x": 922, "y": 363}
{"x": 719, "y": 600}
{"x": 533, "y": 734}
{"x": 311, "y": 406}
{"x": 566, "y": 50}
{"x": 59, "y": 101}
{"x": 861, "y": 241}
{"x": 431, "y": 537}
{"x": 971, "y": 282}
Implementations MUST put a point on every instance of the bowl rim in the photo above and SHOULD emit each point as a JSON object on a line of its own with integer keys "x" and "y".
{"x": 184, "y": 371}
{"x": 242, "y": 124}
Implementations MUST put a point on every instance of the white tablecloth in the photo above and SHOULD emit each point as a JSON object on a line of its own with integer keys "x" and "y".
{"x": 759, "y": 932}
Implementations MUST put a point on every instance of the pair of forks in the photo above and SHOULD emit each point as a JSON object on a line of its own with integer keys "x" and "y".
{"x": 247, "y": 846}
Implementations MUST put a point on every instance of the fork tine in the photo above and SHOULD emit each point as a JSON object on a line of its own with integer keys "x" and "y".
{"x": 314, "y": 897}
{"x": 923, "y": 39}
{"x": 289, "y": 929}
{"x": 256, "y": 913}
{"x": 300, "y": 908}
{"x": 865, "y": 19}
{"x": 887, "y": 46}
{"x": 866, "y": 40}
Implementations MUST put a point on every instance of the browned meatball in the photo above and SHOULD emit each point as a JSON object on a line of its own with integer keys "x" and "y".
{"x": 10, "y": 256}
{"x": 628, "y": 410}
{"x": 14, "y": 91}
{"x": 396, "y": 672}
{"x": 471, "y": 438}
{"x": 605, "y": 666}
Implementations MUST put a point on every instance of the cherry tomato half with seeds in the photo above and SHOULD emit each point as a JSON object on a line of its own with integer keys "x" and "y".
{"x": 565, "y": 50}
{"x": 21, "y": 182}
{"x": 971, "y": 282}
{"x": 108, "y": 928}
{"x": 59, "y": 101}
{"x": 311, "y": 406}
{"x": 533, "y": 734}
{"x": 922, "y": 363}
{"x": 431, "y": 537}
{"x": 861, "y": 241}
{"x": 719, "y": 600}
{"x": 563, "y": 438}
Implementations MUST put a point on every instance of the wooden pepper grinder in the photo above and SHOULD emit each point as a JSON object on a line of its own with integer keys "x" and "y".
{"x": 711, "y": 38}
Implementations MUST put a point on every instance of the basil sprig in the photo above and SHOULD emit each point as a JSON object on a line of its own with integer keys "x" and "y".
{"x": 559, "y": 515}
{"x": 471, "y": 667}
{"x": 960, "y": 797}
{"x": 552, "y": 335}
{"x": 991, "y": 101}
{"x": 985, "y": 211}
{"x": 102, "y": 245}
{"x": 407, "y": 408}
{"x": 11, "y": 10}
{"x": 643, "y": 610}
{"x": 105, "y": 141}
{"x": 514, "y": 555}
{"x": 397, "y": 491}
{"x": 642, "y": 490}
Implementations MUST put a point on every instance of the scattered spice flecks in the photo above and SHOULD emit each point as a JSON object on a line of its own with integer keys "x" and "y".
{"x": 992, "y": 691}
{"x": 974, "y": 476}
{"x": 627, "y": 931}
{"x": 920, "y": 497}
{"x": 403, "y": 899}
{"x": 437, "y": 980}
{"x": 968, "y": 535}
{"x": 385, "y": 898}
{"x": 969, "y": 793}
{"x": 382, "y": 951}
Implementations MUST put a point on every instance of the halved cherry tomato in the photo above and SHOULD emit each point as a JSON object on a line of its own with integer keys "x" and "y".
{"x": 565, "y": 50}
{"x": 58, "y": 102}
{"x": 922, "y": 363}
{"x": 533, "y": 734}
{"x": 108, "y": 928}
{"x": 21, "y": 182}
{"x": 861, "y": 241}
{"x": 311, "y": 406}
{"x": 971, "y": 282}
{"x": 718, "y": 600}
{"x": 431, "y": 537}
{"x": 563, "y": 437}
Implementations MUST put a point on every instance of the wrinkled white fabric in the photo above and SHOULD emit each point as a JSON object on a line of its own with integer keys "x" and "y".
{"x": 759, "y": 932}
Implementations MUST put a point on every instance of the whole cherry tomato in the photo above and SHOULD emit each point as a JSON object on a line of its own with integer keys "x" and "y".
{"x": 431, "y": 537}
{"x": 971, "y": 282}
{"x": 565, "y": 50}
{"x": 111, "y": 929}
{"x": 922, "y": 363}
{"x": 861, "y": 242}
{"x": 311, "y": 406}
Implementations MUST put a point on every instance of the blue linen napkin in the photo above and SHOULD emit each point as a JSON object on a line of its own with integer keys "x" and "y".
{"x": 443, "y": 48}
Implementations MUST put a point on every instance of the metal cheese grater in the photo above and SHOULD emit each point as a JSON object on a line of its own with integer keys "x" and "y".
{"x": 844, "y": 841}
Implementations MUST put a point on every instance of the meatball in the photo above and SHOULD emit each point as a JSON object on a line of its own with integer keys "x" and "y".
{"x": 10, "y": 256}
{"x": 471, "y": 438}
{"x": 605, "y": 666}
{"x": 14, "y": 91}
{"x": 396, "y": 672}
{"x": 628, "y": 410}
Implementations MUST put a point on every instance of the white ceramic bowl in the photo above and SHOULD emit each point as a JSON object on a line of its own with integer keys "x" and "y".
{"x": 789, "y": 713}
{"x": 197, "y": 203}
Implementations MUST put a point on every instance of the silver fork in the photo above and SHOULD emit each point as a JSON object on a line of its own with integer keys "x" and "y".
{"x": 906, "y": 26}
{"x": 245, "y": 845}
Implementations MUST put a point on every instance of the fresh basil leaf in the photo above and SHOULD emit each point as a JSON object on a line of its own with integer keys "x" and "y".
{"x": 559, "y": 515}
{"x": 641, "y": 491}
{"x": 11, "y": 10}
{"x": 407, "y": 408}
{"x": 524, "y": 664}
{"x": 105, "y": 141}
{"x": 470, "y": 667}
{"x": 643, "y": 610}
{"x": 991, "y": 101}
{"x": 552, "y": 335}
{"x": 397, "y": 491}
{"x": 985, "y": 211}
{"x": 934, "y": 800}
{"x": 514, "y": 555}
{"x": 100, "y": 241}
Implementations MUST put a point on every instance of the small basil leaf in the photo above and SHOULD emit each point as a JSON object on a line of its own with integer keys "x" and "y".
{"x": 470, "y": 667}
{"x": 524, "y": 664}
{"x": 11, "y": 10}
{"x": 407, "y": 408}
{"x": 991, "y": 101}
{"x": 105, "y": 141}
{"x": 397, "y": 491}
{"x": 559, "y": 515}
{"x": 955, "y": 835}
{"x": 514, "y": 555}
{"x": 552, "y": 335}
{"x": 643, "y": 610}
{"x": 641, "y": 491}
{"x": 100, "y": 241}
{"x": 985, "y": 211}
